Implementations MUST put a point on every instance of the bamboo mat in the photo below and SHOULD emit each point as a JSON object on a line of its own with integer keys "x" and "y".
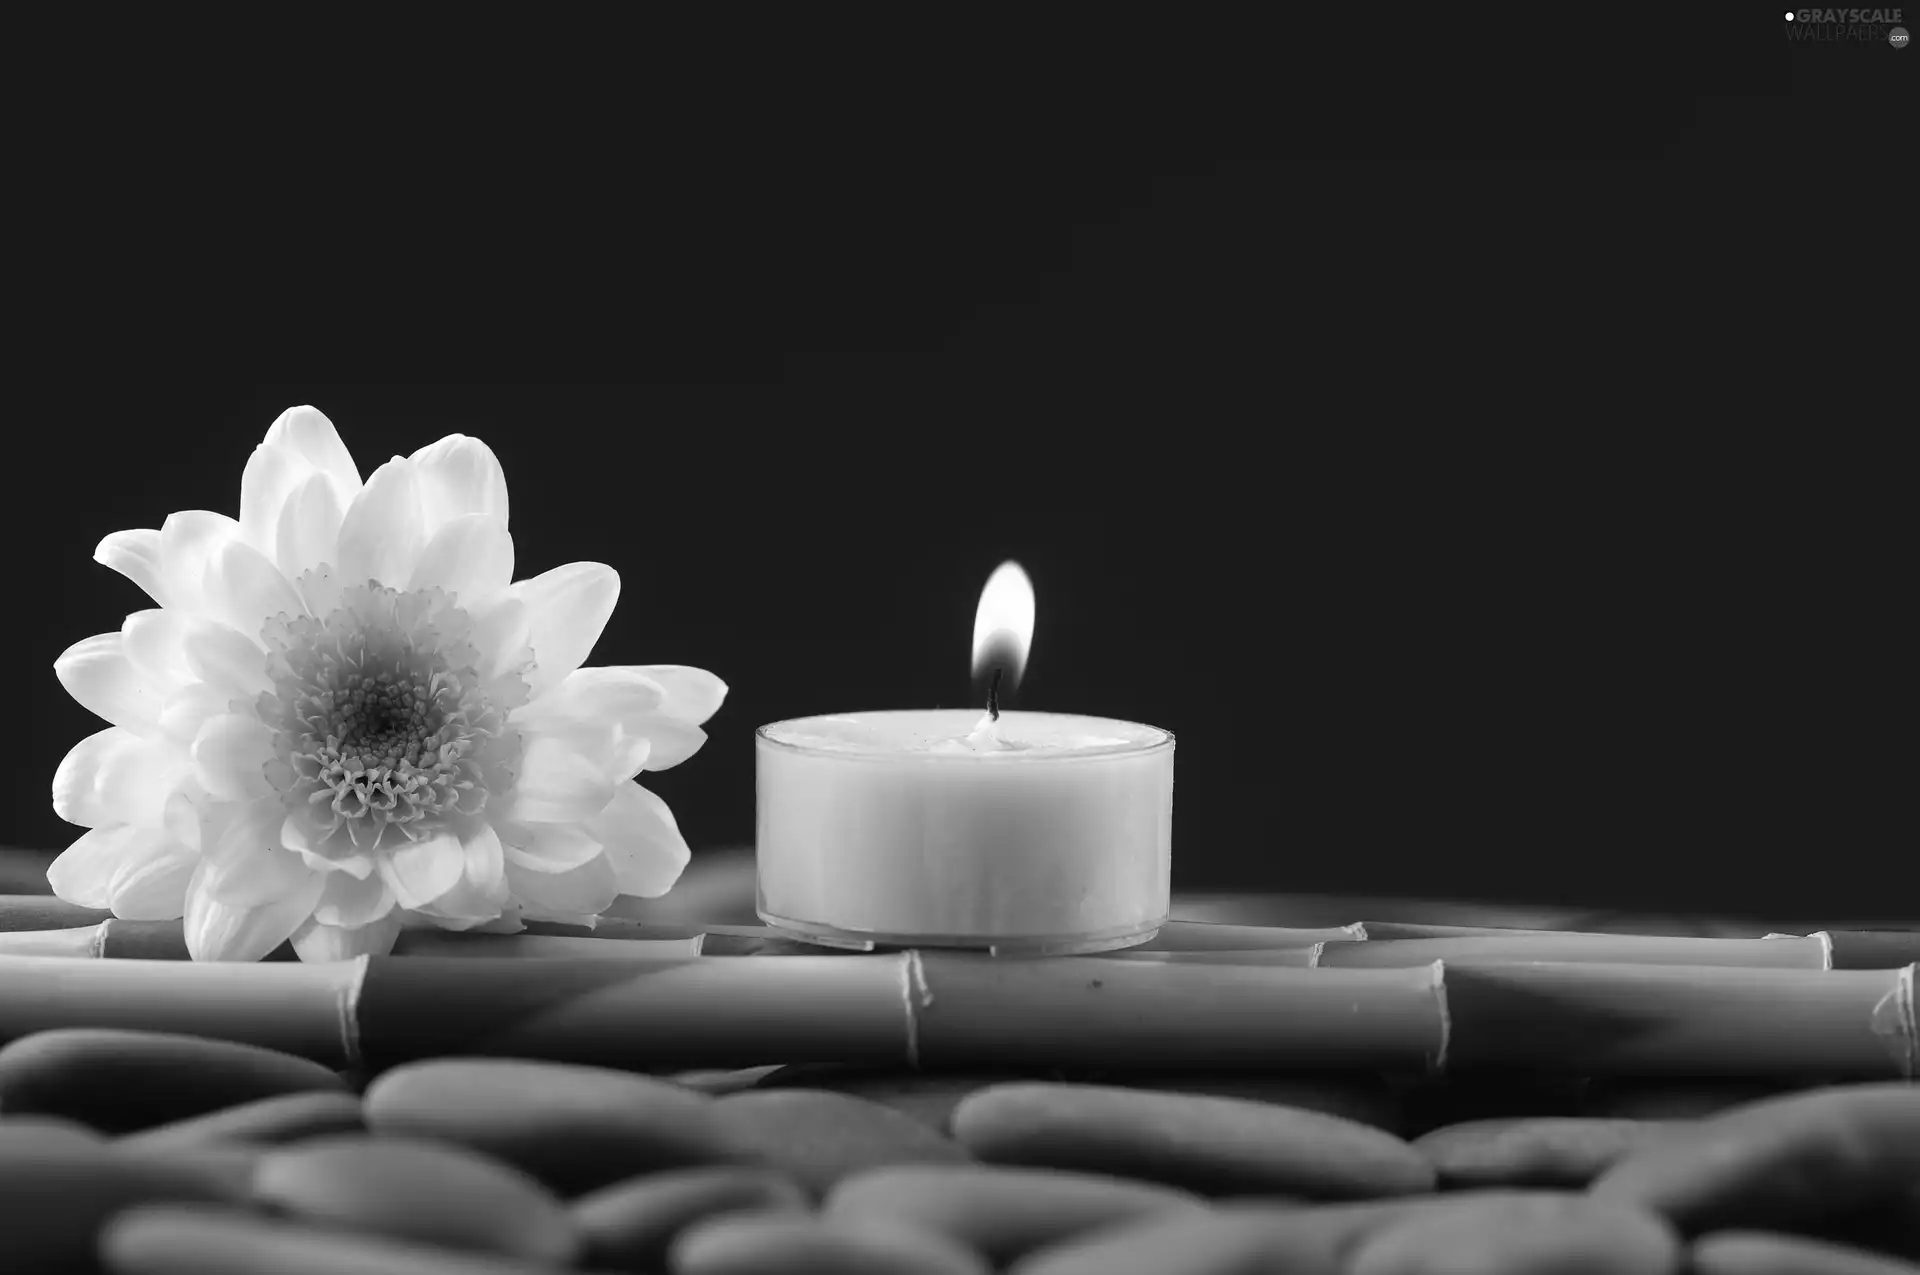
{"x": 717, "y": 889}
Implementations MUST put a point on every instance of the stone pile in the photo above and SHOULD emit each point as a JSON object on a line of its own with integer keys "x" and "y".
{"x": 146, "y": 1154}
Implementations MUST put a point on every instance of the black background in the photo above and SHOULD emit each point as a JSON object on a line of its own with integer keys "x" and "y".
{"x": 1474, "y": 459}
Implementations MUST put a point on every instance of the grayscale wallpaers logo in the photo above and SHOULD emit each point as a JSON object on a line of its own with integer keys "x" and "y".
{"x": 1847, "y": 26}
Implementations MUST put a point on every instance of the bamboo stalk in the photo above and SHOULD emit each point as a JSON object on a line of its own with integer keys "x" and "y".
{"x": 969, "y": 1010}
{"x": 1785, "y": 953}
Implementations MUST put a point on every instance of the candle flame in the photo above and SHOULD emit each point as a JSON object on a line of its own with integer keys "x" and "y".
{"x": 1003, "y": 626}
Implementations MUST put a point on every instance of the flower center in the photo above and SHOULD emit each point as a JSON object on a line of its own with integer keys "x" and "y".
{"x": 382, "y": 720}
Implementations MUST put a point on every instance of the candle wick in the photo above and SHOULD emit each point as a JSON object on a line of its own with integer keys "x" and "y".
{"x": 993, "y": 695}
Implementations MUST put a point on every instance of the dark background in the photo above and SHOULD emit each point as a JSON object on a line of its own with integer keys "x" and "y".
{"x": 1475, "y": 460}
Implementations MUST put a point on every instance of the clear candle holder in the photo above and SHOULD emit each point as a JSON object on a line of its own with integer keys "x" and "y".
{"x": 1050, "y": 835}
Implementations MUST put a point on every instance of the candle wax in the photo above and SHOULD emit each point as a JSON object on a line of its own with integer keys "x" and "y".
{"x": 1034, "y": 832}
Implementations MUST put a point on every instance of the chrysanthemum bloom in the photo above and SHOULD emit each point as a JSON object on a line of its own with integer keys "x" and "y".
{"x": 342, "y": 717}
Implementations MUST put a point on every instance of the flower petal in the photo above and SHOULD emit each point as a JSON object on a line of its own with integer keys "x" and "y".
{"x": 155, "y": 640}
{"x": 564, "y": 896}
{"x": 188, "y": 542}
{"x": 671, "y": 741}
{"x": 349, "y": 901}
{"x": 316, "y": 942}
{"x": 271, "y": 475}
{"x": 569, "y": 607}
{"x": 98, "y": 674}
{"x": 334, "y": 853}
{"x": 230, "y": 753}
{"x": 307, "y": 433}
{"x": 227, "y": 660}
{"x": 558, "y": 784}
{"x": 459, "y": 475}
{"x": 309, "y": 530}
{"x": 77, "y": 797}
{"x": 481, "y": 892}
{"x": 470, "y": 557}
{"x": 244, "y": 589}
{"x": 382, "y": 533}
{"x": 244, "y": 860}
{"x": 692, "y": 694}
{"x": 486, "y": 862}
{"x": 135, "y": 554}
{"x": 188, "y": 709}
{"x": 136, "y": 783}
{"x": 643, "y": 842}
{"x": 553, "y": 847}
{"x": 503, "y": 636}
{"x": 153, "y": 886}
{"x": 610, "y": 694}
{"x": 421, "y": 871}
{"x": 219, "y": 930}
{"x": 83, "y": 873}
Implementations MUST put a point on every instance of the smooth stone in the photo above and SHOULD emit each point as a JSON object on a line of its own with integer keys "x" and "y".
{"x": 786, "y": 1243}
{"x": 226, "y": 1167}
{"x": 1000, "y": 1212}
{"x": 272, "y": 1121}
{"x": 1768, "y": 1253}
{"x": 1562, "y": 1151}
{"x": 1542, "y": 1234}
{"x": 57, "y": 1189}
{"x": 1359, "y": 1096}
{"x": 419, "y": 1191}
{"x": 123, "y": 1081}
{"x": 1429, "y": 1103}
{"x": 49, "y": 1126}
{"x": 1218, "y": 1146}
{"x": 177, "y": 1240}
{"x": 573, "y": 1127}
{"x": 631, "y": 1224}
{"x": 1779, "y": 1162}
{"x": 819, "y": 1136}
{"x": 928, "y": 1097}
{"x": 722, "y": 1080}
{"x": 1887, "y": 1226}
{"x": 1675, "y": 1099}
{"x": 1228, "y": 1239}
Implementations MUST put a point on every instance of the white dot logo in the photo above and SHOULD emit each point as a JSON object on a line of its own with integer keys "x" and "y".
{"x": 1897, "y": 37}
{"x": 1789, "y": 15}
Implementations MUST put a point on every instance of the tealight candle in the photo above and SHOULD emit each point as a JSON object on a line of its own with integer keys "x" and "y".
{"x": 1023, "y": 833}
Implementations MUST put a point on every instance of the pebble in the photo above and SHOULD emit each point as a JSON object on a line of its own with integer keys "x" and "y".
{"x": 1002, "y": 1213}
{"x": 785, "y": 1243}
{"x": 226, "y": 1167}
{"x": 1765, "y": 1253}
{"x": 57, "y": 1187}
{"x": 928, "y": 1097}
{"x": 573, "y": 1127}
{"x": 123, "y": 1081}
{"x": 1225, "y": 1240}
{"x": 1429, "y": 1103}
{"x": 1557, "y": 1151}
{"x": 1519, "y": 1234}
{"x": 420, "y": 1191}
{"x": 1359, "y": 1096}
{"x": 1779, "y": 1162}
{"x": 723, "y": 1080}
{"x": 47, "y": 1126}
{"x": 177, "y": 1240}
{"x": 283, "y": 1119}
{"x": 631, "y": 1224}
{"x": 820, "y": 1137}
{"x": 1217, "y": 1146}
{"x": 1674, "y": 1099}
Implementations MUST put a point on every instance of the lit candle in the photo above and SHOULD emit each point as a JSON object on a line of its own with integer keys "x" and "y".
{"x": 1023, "y": 833}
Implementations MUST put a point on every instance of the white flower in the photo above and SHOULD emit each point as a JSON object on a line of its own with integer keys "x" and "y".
{"x": 342, "y": 717}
